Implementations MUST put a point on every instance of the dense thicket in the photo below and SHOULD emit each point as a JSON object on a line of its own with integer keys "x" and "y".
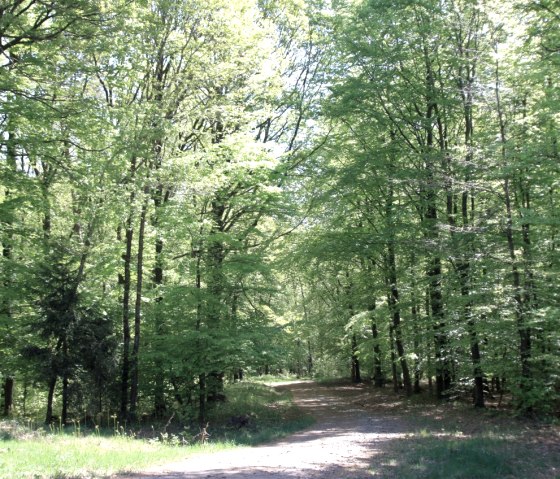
{"x": 194, "y": 190}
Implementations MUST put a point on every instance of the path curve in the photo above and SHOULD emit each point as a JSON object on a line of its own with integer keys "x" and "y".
{"x": 342, "y": 444}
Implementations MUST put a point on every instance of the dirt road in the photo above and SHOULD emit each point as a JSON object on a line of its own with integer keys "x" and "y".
{"x": 342, "y": 444}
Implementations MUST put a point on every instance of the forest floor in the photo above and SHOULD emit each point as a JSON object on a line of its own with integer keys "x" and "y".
{"x": 360, "y": 432}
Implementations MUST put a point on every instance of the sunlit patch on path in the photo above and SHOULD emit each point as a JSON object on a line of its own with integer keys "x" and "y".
{"x": 343, "y": 443}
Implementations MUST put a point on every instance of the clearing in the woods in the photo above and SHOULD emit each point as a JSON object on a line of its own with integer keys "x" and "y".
{"x": 361, "y": 432}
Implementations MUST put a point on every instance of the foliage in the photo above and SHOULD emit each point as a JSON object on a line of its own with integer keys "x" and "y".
{"x": 194, "y": 191}
{"x": 66, "y": 456}
{"x": 253, "y": 414}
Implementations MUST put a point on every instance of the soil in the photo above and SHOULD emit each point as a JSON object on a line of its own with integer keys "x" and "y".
{"x": 355, "y": 432}
{"x": 342, "y": 443}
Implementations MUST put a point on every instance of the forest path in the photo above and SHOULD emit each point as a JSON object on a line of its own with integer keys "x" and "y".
{"x": 341, "y": 444}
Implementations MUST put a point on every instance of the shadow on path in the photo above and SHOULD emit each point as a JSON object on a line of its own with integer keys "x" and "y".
{"x": 341, "y": 444}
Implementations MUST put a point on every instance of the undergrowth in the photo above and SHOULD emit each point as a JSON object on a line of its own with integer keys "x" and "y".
{"x": 61, "y": 456}
{"x": 447, "y": 457}
{"x": 453, "y": 440}
{"x": 253, "y": 413}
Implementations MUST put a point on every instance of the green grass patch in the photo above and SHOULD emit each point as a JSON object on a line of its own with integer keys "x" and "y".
{"x": 445, "y": 458}
{"x": 271, "y": 379}
{"x": 253, "y": 413}
{"x": 453, "y": 440}
{"x": 60, "y": 456}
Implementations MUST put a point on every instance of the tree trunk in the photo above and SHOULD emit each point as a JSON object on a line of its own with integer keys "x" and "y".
{"x": 159, "y": 197}
{"x": 393, "y": 296}
{"x": 464, "y": 268}
{"x": 434, "y": 273}
{"x": 443, "y": 372}
{"x": 378, "y": 377}
{"x": 8, "y": 394}
{"x": 159, "y": 397}
{"x": 523, "y": 328}
{"x": 356, "y": 375}
{"x": 393, "y": 300}
{"x": 199, "y": 312}
{"x": 137, "y": 316}
{"x": 309, "y": 359}
{"x": 466, "y": 41}
{"x": 50, "y": 399}
{"x": 215, "y": 386}
{"x": 125, "y": 371}
{"x": 306, "y": 320}
{"x": 394, "y": 369}
{"x": 216, "y": 282}
{"x": 202, "y": 399}
{"x": 7, "y": 244}
{"x": 417, "y": 371}
{"x": 25, "y": 395}
{"x": 65, "y": 374}
{"x": 65, "y": 398}
{"x": 464, "y": 280}
{"x": 127, "y": 286}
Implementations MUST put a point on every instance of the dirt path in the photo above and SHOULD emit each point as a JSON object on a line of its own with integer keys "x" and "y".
{"x": 342, "y": 443}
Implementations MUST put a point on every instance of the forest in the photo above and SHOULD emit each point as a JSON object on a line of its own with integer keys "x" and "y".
{"x": 195, "y": 191}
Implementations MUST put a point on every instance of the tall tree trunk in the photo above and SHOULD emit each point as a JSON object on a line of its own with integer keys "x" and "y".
{"x": 443, "y": 370}
{"x": 65, "y": 374}
{"x": 378, "y": 376}
{"x": 160, "y": 196}
{"x": 417, "y": 370}
{"x": 216, "y": 283}
{"x": 464, "y": 268}
{"x": 523, "y": 328}
{"x": 309, "y": 359}
{"x": 50, "y": 399}
{"x": 202, "y": 399}
{"x": 306, "y": 320}
{"x": 65, "y": 400}
{"x": 137, "y": 316}
{"x": 159, "y": 397}
{"x": 6, "y": 308}
{"x": 54, "y": 372}
{"x": 126, "y": 280}
{"x": 199, "y": 312}
{"x": 394, "y": 308}
{"x": 391, "y": 279}
{"x": 8, "y": 394}
{"x": 127, "y": 286}
{"x": 434, "y": 273}
{"x": 394, "y": 369}
{"x": 467, "y": 42}
{"x": 356, "y": 374}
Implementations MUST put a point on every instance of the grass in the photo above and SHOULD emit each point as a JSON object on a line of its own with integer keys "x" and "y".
{"x": 427, "y": 440}
{"x": 278, "y": 378}
{"x": 467, "y": 458}
{"x": 455, "y": 441}
{"x": 63, "y": 456}
{"x": 253, "y": 413}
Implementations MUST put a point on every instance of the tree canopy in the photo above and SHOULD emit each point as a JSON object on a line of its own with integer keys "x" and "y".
{"x": 192, "y": 191}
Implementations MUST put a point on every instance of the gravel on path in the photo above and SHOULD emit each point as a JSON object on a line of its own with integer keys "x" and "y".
{"x": 342, "y": 443}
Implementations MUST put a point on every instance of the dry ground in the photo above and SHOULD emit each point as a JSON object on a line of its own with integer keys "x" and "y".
{"x": 354, "y": 435}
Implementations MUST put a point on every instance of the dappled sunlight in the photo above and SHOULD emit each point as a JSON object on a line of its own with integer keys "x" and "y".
{"x": 363, "y": 433}
{"x": 343, "y": 442}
